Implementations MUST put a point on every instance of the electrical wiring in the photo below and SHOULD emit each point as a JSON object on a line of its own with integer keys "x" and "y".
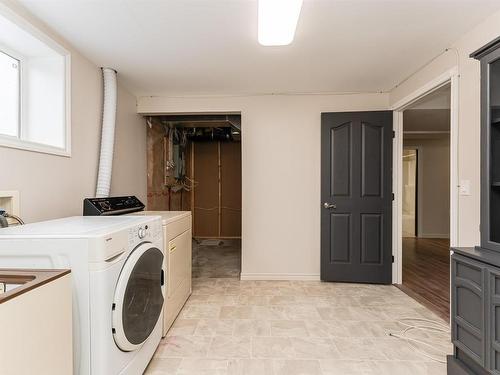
{"x": 433, "y": 327}
{"x": 189, "y": 184}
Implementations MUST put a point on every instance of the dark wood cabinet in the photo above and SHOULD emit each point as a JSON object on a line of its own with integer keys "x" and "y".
{"x": 468, "y": 307}
{"x": 475, "y": 310}
{"x": 475, "y": 272}
{"x": 490, "y": 148}
{"x": 493, "y": 314}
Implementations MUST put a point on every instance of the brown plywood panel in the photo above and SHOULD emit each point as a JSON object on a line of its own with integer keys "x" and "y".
{"x": 155, "y": 140}
{"x": 158, "y": 201}
{"x": 206, "y": 195}
{"x": 230, "y": 155}
{"x": 157, "y": 194}
{"x": 175, "y": 201}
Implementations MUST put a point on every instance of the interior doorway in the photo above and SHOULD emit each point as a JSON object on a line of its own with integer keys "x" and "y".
{"x": 194, "y": 164}
{"x": 426, "y": 200}
{"x": 410, "y": 192}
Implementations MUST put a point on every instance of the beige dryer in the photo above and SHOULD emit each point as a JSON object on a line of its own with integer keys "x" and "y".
{"x": 177, "y": 237}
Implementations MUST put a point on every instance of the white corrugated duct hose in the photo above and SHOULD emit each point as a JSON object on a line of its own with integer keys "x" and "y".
{"x": 108, "y": 133}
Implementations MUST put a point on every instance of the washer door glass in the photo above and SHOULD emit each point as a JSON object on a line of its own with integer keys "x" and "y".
{"x": 138, "y": 297}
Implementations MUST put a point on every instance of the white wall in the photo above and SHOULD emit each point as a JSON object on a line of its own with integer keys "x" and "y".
{"x": 433, "y": 213}
{"x": 129, "y": 161}
{"x": 280, "y": 173}
{"x": 281, "y": 156}
{"x": 54, "y": 186}
{"x": 469, "y": 116}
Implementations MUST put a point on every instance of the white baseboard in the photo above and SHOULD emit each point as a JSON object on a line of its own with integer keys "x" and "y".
{"x": 280, "y": 276}
{"x": 433, "y": 235}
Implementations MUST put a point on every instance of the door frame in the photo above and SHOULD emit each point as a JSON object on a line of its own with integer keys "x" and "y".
{"x": 449, "y": 77}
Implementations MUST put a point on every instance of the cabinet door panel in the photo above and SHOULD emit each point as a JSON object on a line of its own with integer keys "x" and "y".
{"x": 179, "y": 262}
{"x": 467, "y": 308}
{"x": 493, "y": 307}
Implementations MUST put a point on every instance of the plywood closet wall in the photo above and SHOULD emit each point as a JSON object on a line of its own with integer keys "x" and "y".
{"x": 216, "y": 199}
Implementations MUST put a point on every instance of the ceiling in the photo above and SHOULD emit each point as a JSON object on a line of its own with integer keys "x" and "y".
{"x": 183, "y": 47}
{"x": 429, "y": 117}
{"x": 418, "y": 122}
{"x": 437, "y": 99}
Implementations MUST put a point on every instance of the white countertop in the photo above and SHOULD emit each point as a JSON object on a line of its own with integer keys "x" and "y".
{"x": 75, "y": 227}
{"x": 167, "y": 216}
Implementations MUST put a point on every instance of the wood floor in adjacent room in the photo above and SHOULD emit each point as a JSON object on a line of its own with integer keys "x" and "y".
{"x": 426, "y": 273}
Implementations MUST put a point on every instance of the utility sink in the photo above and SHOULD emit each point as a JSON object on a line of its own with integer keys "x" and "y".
{"x": 15, "y": 282}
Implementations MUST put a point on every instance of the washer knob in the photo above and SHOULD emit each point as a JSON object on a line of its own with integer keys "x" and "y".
{"x": 141, "y": 233}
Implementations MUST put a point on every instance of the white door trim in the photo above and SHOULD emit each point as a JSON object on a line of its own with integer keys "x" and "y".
{"x": 450, "y": 77}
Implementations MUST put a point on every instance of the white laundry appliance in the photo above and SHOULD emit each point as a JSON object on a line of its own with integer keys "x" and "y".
{"x": 118, "y": 277}
{"x": 177, "y": 237}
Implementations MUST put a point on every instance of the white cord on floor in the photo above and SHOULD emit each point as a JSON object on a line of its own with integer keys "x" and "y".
{"x": 434, "y": 327}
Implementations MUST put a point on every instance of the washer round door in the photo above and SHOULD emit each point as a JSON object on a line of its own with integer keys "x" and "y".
{"x": 138, "y": 300}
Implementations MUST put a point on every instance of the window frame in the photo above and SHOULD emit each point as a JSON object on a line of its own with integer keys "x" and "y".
{"x": 19, "y": 142}
{"x": 15, "y": 55}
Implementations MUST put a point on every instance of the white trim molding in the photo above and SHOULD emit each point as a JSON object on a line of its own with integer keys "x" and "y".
{"x": 280, "y": 276}
{"x": 450, "y": 77}
{"x": 422, "y": 91}
{"x": 20, "y": 141}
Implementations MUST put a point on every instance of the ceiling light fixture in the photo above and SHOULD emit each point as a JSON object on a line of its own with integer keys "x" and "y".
{"x": 278, "y": 21}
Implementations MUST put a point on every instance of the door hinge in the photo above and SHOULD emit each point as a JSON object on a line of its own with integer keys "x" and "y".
{"x": 393, "y": 259}
{"x": 393, "y": 134}
{"x": 392, "y": 194}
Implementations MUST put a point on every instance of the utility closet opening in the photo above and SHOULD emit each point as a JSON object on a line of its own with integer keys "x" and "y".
{"x": 194, "y": 164}
{"x": 426, "y": 201}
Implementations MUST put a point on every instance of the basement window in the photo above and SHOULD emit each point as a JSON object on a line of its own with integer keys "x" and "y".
{"x": 34, "y": 88}
{"x": 9, "y": 95}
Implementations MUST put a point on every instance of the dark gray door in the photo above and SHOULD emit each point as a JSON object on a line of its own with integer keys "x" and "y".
{"x": 356, "y": 197}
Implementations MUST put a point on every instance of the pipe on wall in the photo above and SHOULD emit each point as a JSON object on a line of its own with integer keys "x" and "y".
{"x": 108, "y": 133}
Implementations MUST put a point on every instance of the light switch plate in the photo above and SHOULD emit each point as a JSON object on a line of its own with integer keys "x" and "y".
{"x": 464, "y": 187}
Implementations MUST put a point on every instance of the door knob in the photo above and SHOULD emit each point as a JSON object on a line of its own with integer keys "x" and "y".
{"x": 329, "y": 205}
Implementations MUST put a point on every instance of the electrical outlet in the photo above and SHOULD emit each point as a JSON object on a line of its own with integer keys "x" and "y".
{"x": 464, "y": 187}
{"x": 2, "y": 288}
{"x": 9, "y": 201}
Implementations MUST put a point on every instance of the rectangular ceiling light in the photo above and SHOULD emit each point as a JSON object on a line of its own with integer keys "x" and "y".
{"x": 278, "y": 21}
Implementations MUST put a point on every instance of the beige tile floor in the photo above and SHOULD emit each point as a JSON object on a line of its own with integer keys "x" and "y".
{"x": 217, "y": 261}
{"x": 238, "y": 327}
{"x": 233, "y": 327}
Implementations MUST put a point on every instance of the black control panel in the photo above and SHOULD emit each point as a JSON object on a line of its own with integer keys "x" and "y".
{"x": 111, "y": 206}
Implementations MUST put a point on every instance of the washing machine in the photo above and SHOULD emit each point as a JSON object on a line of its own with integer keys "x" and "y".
{"x": 118, "y": 277}
{"x": 177, "y": 238}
